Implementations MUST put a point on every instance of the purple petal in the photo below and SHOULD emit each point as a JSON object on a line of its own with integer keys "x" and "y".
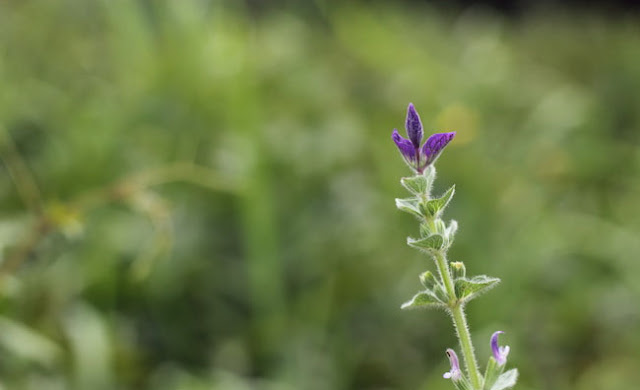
{"x": 455, "y": 373}
{"x": 434, "y": 146}
{"x": 499, "y": 353}
{"x": 413, "y": 126}
{"x": 405, "y": 146}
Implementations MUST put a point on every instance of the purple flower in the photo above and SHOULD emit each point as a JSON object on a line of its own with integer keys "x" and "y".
{"x": 499, "y": 353}
{"x": 418, "y": 157}
{"x": 455, "y": 374}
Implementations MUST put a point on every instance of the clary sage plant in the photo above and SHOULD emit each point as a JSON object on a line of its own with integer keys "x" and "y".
{"x": 451, "y": 289}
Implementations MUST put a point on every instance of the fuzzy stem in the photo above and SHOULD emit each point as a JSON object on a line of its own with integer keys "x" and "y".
{"x": 459, "y": 322}
{"x": 445, "y": 275}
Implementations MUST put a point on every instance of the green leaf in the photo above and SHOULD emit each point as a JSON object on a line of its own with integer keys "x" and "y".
{"x": 417, "y": 185}
{"x": 462, "y": 384}
{"x": 428, "y": 279}
{"x": 430, "y": 244}
{"x": 432, "y": 284}
{"x": 467, "y": 289}
{"x": 450, "y": 232}
{"x": 436, "y": 206}
{"x": 491, "y": 374}
{"x": 423, "y": 300}
{"x": 409, "y": 205}
{"x": 425, "y": 230}
{"x": 506, "y": 380}
{"x": 440, "y": 226}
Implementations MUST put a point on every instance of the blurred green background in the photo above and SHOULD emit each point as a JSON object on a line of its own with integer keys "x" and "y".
{"x": 199, "y": 194}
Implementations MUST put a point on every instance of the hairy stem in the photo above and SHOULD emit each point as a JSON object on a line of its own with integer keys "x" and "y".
{"x": 459, "y": 321}
{"x": 462, "y": 329}
{"x": 445, "y": 275}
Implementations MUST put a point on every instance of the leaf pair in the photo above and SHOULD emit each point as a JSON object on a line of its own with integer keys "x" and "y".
{"x": 430, "y": 244}
{"x": 419, "y": 184}
{"x": 468, "y": 289}
{"x": 421, "y": 208}
{"x": 435, "y": 296}
{"x": 434, "y": 207}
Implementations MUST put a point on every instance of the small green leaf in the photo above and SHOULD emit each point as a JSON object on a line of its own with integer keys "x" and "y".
{"x": 431, "y": 208}
{"x": 506, "y": 380}
{"x": 425, "y": 230}
{"x": 440, "y": 226}
{"x": 409, "y": 205}
{"x": 417, "y": 185}
{"x": 430, "y": 173}
{"x": 463, "y": 384}
{"x": 450, "y": 232}
{"x": 435, "y": 206}
{"x": 435, "y": 227}
{"x": 423, "y": 299}
{"x": 491, "y": 374}
{"x": 428, "y": 279}
{"x": 467, "y": 289}
{"x": 432, "y": 284}
{"x": 431, "y": 244}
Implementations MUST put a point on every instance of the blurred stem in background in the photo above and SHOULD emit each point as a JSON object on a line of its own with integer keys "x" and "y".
{"x": 263, "y": 258}
{"x": 134, "y": 188}
{"x": 263, "y": 261}
{"x": 20, "y": 174}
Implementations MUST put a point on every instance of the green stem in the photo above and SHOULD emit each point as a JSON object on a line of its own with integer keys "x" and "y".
{"x": 459, "y": 321}
{"x": 445, "y": 275}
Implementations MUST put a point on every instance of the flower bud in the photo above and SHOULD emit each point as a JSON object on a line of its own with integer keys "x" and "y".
{"x": 458, "y": 269}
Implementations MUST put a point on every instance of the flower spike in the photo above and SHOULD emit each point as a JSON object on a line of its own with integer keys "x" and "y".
{"x": 499, "y": 353}
{"x": 419, "y": 157}
{"x": 455, "y": 374}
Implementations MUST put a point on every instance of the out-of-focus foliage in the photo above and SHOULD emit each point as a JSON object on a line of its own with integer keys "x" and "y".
{"x": 196, "y": 196}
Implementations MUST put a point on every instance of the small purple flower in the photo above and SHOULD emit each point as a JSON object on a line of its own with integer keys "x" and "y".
{"x": 499, "y": 353}
{"x": 418, "y": 157}
{"x": 455, "y": 374}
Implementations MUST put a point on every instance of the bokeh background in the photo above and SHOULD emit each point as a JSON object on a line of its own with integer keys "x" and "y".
{"x": 199, "y": 194}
